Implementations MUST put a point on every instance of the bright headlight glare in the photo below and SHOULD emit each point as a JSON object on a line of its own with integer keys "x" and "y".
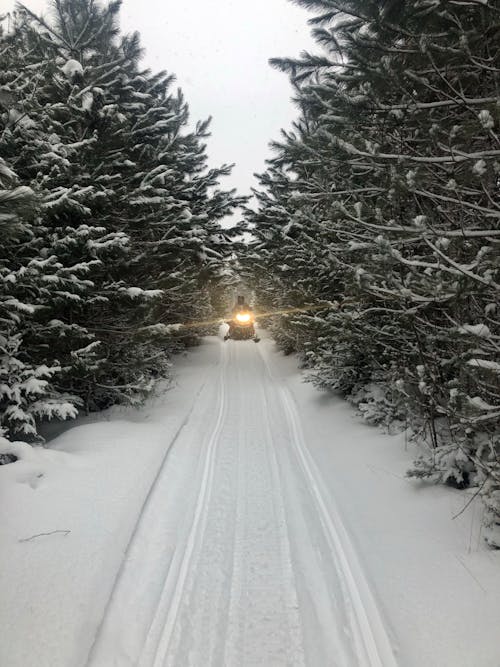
{"x": 243, "y": 317}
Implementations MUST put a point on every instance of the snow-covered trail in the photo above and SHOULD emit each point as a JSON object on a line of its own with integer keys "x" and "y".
{"x": 239, "y": 556}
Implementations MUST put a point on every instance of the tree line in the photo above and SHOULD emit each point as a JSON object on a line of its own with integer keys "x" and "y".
{"x": 379, "y": 217}
{"x": 109, "y": 217}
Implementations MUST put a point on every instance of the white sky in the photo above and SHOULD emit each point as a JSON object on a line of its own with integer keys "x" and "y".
{"x": 219, "y": 50}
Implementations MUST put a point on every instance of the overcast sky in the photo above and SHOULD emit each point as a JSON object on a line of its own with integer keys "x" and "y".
{"x": 219, "y": 50}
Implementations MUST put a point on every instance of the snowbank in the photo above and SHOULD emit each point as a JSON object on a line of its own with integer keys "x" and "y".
{"x": 422, "y": 549}
{"x": 66, "y": 516}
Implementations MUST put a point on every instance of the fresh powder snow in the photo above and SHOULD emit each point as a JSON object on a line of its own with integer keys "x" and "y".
{"x": 241, "y": 518}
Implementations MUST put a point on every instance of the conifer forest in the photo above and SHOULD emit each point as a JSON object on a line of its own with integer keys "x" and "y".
{"x": 370, "y": 244}
{"x": 174, "y": 493}
{"x": 381, "y": 210}
{"x": 109, "y": 217}
{"x": 378, "y": 218}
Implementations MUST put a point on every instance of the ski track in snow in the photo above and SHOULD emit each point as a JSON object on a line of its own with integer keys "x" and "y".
{"x": 239, "y": 557}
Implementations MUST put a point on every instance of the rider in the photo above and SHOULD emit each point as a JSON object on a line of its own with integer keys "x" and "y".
{"x": 240, "y": 306}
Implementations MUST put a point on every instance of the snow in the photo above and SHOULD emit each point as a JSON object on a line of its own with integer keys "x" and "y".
{"x": 480, "y": 330}
{"x": 91, "y": 347}
{"x": 50, "y": 409}
{"x": 241, "y": 518}
{"x": 420, "y": 220}
{"x": 87, "y": 100}
{"x": 164, "y": 329}
{"x": 435, "y": 578}
{"x": 72, "y": 67}
{"x": 92, "y": 482}
{"x": 34, "y": 386}
{"x": 136, "y": 292}
{"x": 16, "y": 117}
{"x": 485, "y": 363}
{"x": 486, "y": 119}
{"x": 490, "y": 308}
{"x": 479, "y": 168}
{"x": 479, "y": 403}
{"x": 21, "y": 192}
{"x": 18, "y": 305}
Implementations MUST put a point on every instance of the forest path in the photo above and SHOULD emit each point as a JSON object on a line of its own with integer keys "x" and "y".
{"x": 239, "y": 557}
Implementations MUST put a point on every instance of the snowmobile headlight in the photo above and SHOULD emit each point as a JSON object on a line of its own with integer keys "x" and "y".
{"x": 243, "y": 317}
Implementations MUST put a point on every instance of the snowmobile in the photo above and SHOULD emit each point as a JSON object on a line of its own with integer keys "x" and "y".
{"x": 242, "y": 327}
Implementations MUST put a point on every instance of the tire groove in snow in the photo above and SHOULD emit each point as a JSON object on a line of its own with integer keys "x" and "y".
{"x": 247, "y": 624}
{"x": 236, "y": 609}
{"x": 373, "y": 647}
{"x": 194, "y": 635}
{"x": 195, "y": 534}
{"x": 259, "y": 569}
{"x": 137, "y": 524}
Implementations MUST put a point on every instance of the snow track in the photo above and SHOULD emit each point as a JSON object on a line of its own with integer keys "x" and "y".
{"x": 370, "y": 641}
{"x": 239, "y": 557}
{"x": 168, "y": 609}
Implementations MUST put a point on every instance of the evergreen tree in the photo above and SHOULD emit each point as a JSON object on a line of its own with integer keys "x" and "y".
{"x": 384, "y": 200}
{"x": 26, "y": 390}
{"x": 127, "y": 220}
